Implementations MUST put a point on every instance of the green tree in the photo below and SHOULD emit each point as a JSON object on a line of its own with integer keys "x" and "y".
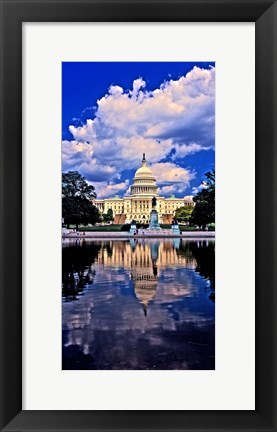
{"x": 204, "y": 210}
{"x": 108, "y": 217}
{"x": 75, "y": 185}
{"x": 182, "y": 214}
{"x": 77, "y": 196}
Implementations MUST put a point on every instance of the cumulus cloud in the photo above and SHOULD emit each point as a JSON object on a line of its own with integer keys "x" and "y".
{"x": 168, "y": 190}
{"x": 182, "y": 150}
{"x": 137, "y": 85}
{"x": 189, "y": 198}
{"x": 172, "y": 178}
{"x": 74, "y": 153}
{"x": 175, "y": 119}
{"x": 169, "y": 173}
{"x": 106, "y": 190}
{"x": 79, "y": 156}
{"x": 197, "y": 189}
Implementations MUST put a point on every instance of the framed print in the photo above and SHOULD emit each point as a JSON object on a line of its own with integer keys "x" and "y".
{"x": 115, "y": 118}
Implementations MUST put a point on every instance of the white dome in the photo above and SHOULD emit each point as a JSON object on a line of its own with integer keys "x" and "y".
{"x": 144, "y": 182}
{"x": 144, "y": 172}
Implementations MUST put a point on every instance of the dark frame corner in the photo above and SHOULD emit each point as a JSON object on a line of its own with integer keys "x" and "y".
{"x": 13, "y": 14}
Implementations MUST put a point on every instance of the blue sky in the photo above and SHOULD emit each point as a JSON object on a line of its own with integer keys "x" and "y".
{"x": 113, "y": 112}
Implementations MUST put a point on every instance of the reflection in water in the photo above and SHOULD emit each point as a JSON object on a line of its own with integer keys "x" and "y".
{"x": 138, "y": 304}
{"x": 77, "y": 271}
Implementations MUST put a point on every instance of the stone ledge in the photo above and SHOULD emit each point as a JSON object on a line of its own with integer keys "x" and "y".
{"x": 159, "y": 234}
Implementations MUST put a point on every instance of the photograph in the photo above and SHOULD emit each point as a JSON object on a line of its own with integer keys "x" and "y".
{"x": 138, "y": 215}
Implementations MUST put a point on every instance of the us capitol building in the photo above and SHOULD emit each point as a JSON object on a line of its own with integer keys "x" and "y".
{"x": 138, "y": 205}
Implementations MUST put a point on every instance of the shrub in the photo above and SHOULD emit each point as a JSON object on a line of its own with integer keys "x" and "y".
{"x": 125, "y": 227}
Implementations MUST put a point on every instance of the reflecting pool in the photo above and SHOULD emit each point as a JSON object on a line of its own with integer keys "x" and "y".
{"x": 138, "y": 304}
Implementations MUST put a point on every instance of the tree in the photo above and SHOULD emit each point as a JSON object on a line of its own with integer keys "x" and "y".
{"x": 77, "y": 196}
{"x": 204, "y": 210}
{"x": 108, "y": 217}
{"x": 75, "y": 185}
{"x": 182, "y": 214}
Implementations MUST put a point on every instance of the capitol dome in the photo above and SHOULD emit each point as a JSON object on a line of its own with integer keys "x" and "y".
{"x": 144, "y": 182}
{"x": 144, "y": 172}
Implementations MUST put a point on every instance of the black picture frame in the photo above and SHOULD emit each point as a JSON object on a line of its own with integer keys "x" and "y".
{"x": 13, "y": 14}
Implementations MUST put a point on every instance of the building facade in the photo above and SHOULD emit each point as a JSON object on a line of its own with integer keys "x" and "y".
{"x": 138, "y": 205}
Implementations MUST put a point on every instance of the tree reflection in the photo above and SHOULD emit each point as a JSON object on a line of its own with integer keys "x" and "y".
{"x": 204, "y": 254}
{"x": 76, "y": 268}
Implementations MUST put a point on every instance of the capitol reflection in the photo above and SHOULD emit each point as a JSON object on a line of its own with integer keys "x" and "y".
{"x": 145, "y": 304}
{"x": 143, "y": 253}
{"x": 144, "y": 259}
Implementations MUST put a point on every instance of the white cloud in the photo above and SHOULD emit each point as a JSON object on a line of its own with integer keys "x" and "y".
{"x": 189, "y": 198}
{"x": 182, "y": 150}
{"x": 83, "y": 133}
{"x": 168, "y": 190}
{"x": 137, "y": 85}
{"x": 178, "y": 115}
{"x": 79, "y": 156}
{"x": 115, "y": 90}
{"x": 74, "y": 153}
{"x": 168, "y": 173}
{"x": 172, "y": 178}
{"x": 106, "y": 190}
{"x": 197, "y": 189}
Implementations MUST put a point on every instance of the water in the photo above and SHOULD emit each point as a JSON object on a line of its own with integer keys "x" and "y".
{"x": 138, "y": 304}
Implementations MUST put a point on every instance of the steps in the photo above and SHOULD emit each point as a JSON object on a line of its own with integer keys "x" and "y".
{"x": 167, "y": 218}
{"x": 119, "y": 219}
